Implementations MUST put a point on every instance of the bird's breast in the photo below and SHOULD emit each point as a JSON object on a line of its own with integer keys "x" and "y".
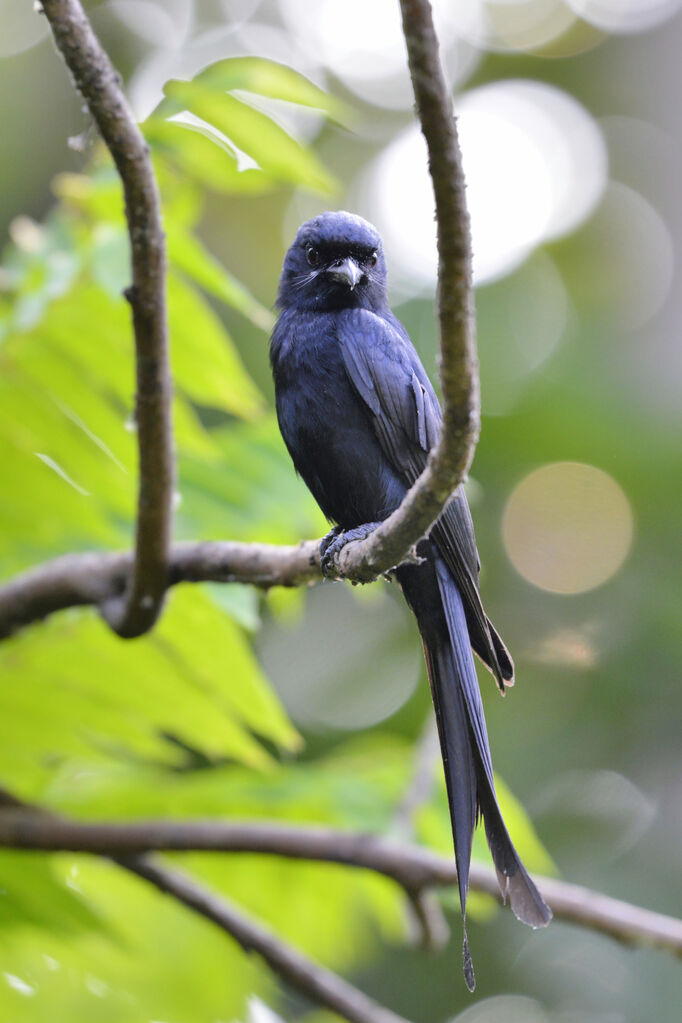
{"x": 328, "y": 431}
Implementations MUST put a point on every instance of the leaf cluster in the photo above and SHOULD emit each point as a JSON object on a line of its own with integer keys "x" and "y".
{"x": 182, "y": 722}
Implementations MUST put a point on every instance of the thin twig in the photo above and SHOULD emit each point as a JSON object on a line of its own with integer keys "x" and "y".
{"x": 137, "y": 609}
{"x": 450, "y": 460}
{"x": 76, "y": 580}
{"x": 414, "y": 868}
{"x": 428, "y": 917}
{"x": 429, "y": 928}
{"x": 422, "y": 780}
{"x": 314, "y": 981}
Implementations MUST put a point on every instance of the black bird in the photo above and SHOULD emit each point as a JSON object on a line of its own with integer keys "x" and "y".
{"x": 359, "y": 416}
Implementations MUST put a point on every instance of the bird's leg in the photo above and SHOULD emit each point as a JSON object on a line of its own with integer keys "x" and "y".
{"x": 336, "y": 540}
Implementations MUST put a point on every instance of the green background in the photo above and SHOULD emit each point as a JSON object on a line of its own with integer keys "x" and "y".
{"x": 307, "y": 706}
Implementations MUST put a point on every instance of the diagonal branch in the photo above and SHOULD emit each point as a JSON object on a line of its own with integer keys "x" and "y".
{"x": 135, "y": 611}
{"x": 414, "y": 868}
{"x": 314, "y": 981}
{"x": 310, "y": 979}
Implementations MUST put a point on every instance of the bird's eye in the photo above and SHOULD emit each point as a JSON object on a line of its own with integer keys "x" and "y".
{"x": 373, "y": 259}
{"x": 312, "y": 255}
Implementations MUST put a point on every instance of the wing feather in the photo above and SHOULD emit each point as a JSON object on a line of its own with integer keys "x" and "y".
{"x": 386, "y": 372}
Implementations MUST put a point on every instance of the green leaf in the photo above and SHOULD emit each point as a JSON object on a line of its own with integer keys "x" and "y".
{"x": 356, "y": 787}
{"x": 253, "y": 132}
{"x": 240, "y": 602}
{"x": 217, "y": 657}
{"x": 198, "y": 154}
{"x": 40, "y": 266}
{"x": 78, "y": 691}
{"x": 98, "y": 194}
{"x": 206, "y": 363}
{"x": 32, "y": 892}
{"x": 251, "y": 492}
{"x": 190, "y": 256}
{"x": 137, "y": 970}
{"x": 268, "y": 78}
{"x": 110, "y": 258}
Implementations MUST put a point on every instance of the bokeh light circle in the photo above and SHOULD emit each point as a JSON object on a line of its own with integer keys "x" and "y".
{"x": 507, "y": 1008}
{"x": 567, "y": 527}
{"x": 21, "y": 27}
{"x": 356, "y": 39}
{"x": 521, "y": 321}
{"x": 630, "y": 238}
{"x": 625, "y": 15}
{"x": 535, "y": 164}
{"x": 349, "y": 664}
{"x": 362, "y": 43}
{"x": 503, "y": 25}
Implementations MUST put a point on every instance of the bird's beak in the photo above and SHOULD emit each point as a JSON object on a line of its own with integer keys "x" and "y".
{"x": 346, "y": 272}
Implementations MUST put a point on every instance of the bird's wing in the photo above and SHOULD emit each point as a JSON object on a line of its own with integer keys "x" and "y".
{"x": 387, "y": 374}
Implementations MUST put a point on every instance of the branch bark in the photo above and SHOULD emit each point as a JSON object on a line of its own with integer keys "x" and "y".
{"x": 129, "y": 588}
{"x": 135, "y": 610}
{"x": 450, "y": 460}
{"x": 414, "y": 868}
{"x": 314, "y": 981}
{"x": 76, "y": 580}
{"x": 132, "y": 608}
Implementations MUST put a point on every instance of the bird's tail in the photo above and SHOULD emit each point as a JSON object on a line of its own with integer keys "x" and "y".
{"x": 437, "y": 605}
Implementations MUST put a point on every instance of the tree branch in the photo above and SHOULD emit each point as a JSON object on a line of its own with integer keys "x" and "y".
{"x": 449, "y": 461}
{"x": 76, "y": 580}
{"x": 430, "y": 925}
{"x": 135, "y": 611}
{"x": 314, "y": 981}
{"x": 102, "y": 579}
{"x": 414, "y": 868}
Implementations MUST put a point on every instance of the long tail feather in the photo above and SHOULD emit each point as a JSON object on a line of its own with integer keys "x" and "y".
{"x": 460, "y": 778}
{"x": 437, "y": 605}
{"x": 515, "y": 883}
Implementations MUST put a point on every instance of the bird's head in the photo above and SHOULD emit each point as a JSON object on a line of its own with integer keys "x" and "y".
{"x": 335, "y": 262}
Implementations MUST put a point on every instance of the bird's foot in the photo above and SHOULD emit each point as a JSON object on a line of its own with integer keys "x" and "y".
{"x": 328, "y": 540}
{"x": 334, "y": 542}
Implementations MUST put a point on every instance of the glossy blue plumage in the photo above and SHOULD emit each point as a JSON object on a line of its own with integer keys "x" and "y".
{"x": 359, "y": 415}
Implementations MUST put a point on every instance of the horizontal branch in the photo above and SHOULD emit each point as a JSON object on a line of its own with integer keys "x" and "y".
{"x": 133, "y": 611}
{"x": 76, "y": 580}
{"x": 314, "y": 981}
{"x": 412, "y": 867}
{"x": 104, "y": 579}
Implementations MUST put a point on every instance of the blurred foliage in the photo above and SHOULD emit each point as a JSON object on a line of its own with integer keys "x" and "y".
{"x": 182, "y": 722}
{"x": 304, "y": 706}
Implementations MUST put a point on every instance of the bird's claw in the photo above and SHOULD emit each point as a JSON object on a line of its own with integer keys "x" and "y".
{"x": 328, "y": 555}
{"x": 328, "y": 540}
{"x": 334, "y": 542}
{"x": 326, "y": 544}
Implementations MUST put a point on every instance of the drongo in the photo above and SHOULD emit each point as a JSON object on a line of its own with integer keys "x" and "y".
{"x": 359, "y": 416}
